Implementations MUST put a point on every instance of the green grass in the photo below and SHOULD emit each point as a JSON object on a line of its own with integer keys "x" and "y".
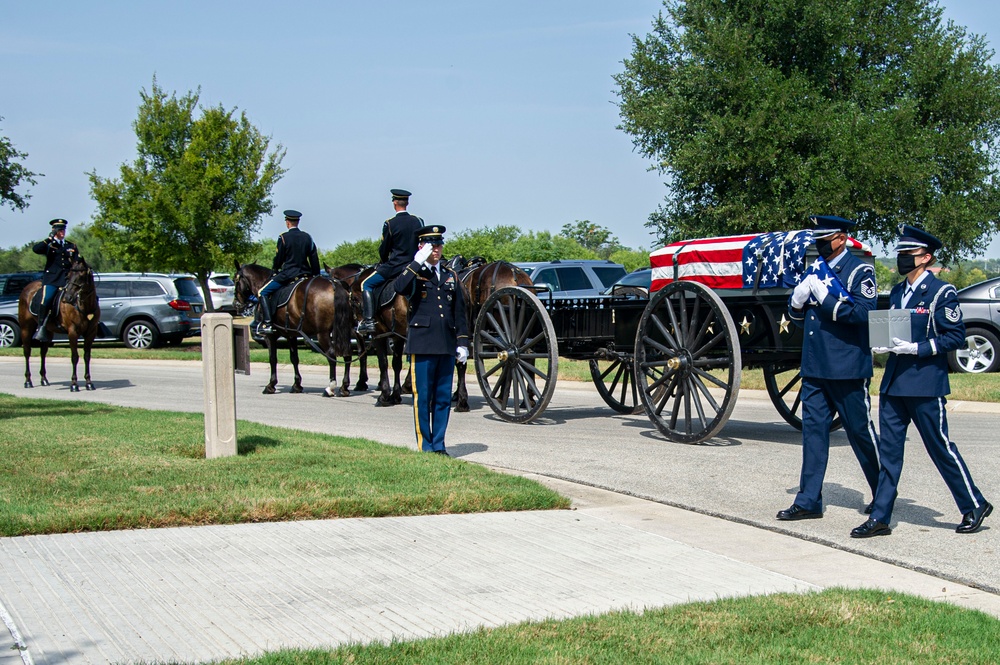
{"x": 834, "y": 626}
{"x": 79, "y": 466}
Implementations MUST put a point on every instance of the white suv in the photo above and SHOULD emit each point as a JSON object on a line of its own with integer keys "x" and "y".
{"x": 223, "y": 290}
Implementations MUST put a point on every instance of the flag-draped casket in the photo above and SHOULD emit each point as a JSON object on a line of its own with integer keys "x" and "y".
{"x": 766, "y": 260}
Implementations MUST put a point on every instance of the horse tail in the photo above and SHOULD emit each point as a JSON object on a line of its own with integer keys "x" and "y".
{"x": 343, "y": 318}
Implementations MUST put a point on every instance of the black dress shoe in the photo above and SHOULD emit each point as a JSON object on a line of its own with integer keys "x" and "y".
{"x": 797, "y": 513}
{"x": 869, "y": 508}
{"x": 972, "y": 520}
{"x": 871, "y": 528}
{"x": 442, "y": 452}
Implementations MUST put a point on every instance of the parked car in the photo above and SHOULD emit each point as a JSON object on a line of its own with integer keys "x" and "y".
{"x": 147, "y": 309}
{"x": 222, "y": 289}
{"x": 635, "y": 284}
{"x": 10, "y": 331}
{"x": 574, "y": 278}
{"x": 981, "y": 312}
{"x": 11, "y": 284}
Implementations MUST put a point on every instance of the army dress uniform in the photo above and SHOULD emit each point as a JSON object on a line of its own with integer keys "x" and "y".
{"x": 437, "y": 327}
{"x": 914, "y": 387}
{"x": 836, "y": 372}
{"x": 296, "y": 255}
{"x": 59, "y": 257}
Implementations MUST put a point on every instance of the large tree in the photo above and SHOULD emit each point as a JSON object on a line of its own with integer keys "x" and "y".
{"x": 761, "y": 112}
{"x": 12, "y": 174}
{"x": 195, "y": 194}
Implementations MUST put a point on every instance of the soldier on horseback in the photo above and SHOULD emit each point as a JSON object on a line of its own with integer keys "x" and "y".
{"x": 296, "y": 255}
{"x": 399, "y": 244}
{"x": 59, "y": 254}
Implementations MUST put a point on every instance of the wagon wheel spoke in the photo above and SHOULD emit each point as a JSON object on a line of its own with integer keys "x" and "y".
{"x": 783, "y": 381}
{"x": 622, "y": 393}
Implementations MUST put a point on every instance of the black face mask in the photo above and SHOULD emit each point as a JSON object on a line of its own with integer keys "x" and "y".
{"x": 906, "y": 263}
{"x": 825, "y": 248}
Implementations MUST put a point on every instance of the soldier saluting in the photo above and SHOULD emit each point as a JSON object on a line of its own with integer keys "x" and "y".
{"x": 59, "y": 255}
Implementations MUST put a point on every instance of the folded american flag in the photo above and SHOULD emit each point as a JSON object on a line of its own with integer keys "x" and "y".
{"x": 765, "y": 260}
{"x": 825, "y": 274}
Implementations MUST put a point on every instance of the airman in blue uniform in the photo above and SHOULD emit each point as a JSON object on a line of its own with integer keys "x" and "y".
{"x": 836, "y": 364}
{"x": 915, "y": 384}
{"x": 399, "y": 244}
{"x": 437, "y": 335}
{"x": 59, "y": 254}
{"x": 296, "y": 255}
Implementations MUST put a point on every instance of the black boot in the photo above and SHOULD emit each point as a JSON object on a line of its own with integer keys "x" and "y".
{"x": 41, "y": 334}
{"x": 367, "y": 325}
{"x": 264, "y": 327}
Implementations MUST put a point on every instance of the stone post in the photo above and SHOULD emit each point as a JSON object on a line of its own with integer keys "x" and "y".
{"x": 220, "y": 385}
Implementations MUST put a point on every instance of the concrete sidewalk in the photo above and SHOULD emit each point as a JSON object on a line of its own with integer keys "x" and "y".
{"x": 203, "y": 593}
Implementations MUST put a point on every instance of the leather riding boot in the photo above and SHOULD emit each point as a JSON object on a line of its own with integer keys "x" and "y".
{"x": 264, "y": 327}
{"x": 41, "y": 334}
{"x": 367, "y": 325}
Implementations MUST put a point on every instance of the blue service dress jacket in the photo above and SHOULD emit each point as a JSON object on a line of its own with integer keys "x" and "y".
{"x": 58, "y": 260}
{"x": 296, "y": 256}
{"x": 437, "y": 320}
{"x": 937, "y": 327}
{"x": 835, "y": 336}
{"x": 399, "y": 243}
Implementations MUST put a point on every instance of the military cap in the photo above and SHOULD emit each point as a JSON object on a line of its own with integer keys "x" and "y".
{"x": 828, "y": 225}
{"x": 399, "y": 194}
{"x": 433, "y": 234}
{"x": 910, "y": 237}
{"x": 293, "y": 214}
{"x": 58, "y": 224}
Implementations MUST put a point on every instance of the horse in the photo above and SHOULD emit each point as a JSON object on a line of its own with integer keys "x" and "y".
{"x": 317, "y": 306}
{"x": 390, "y": 331}
{"x": 479, "y": 280}
{"x": 77, "y": 313}
{"x": 348, "y": 274}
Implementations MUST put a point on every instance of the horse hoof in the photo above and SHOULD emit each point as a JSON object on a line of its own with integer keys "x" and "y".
{"x": 381, "y": 402}
{"x": 74, "y": 388}
{"x": 44, "y": 382}
{"x": 462, "y": 408}
{"x": 268, "y": 390}
{"x": 344, "y": 392}
{"x": 361, "y": 388}
{"x": 90, "y": 386}
{"x": 27, "y": 384}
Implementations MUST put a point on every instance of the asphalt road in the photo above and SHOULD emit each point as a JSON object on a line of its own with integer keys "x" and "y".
{"x": 746, "y": 474}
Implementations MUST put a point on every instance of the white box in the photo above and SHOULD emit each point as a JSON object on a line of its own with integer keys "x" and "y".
{"x": 885, "y": 324}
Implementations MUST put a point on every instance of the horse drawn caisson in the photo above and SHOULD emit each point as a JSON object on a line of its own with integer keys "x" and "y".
{"x": 715, "y": 306}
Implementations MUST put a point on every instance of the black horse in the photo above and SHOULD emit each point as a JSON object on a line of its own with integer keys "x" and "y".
{"x": 78, "y": 315}
{"x": 317, "y": 307}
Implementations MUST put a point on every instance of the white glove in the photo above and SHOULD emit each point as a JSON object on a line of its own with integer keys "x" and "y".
{"x": 423, "y": 252}
{"x": 801, "y": 292}
{"x": 903, "y": 348}
{"x": 881, "y": 349}
{"x": 819, "y": 290}
{"x": 462, "y": 354}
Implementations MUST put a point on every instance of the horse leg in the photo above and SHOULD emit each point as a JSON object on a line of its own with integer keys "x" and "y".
{"x": 26, "y": 345}
{"x": 293, "y": 355}
{"x": 42, "y": 352}
{"x": 87, "y": 343}
{"x": 385, "y": 397}
{"x": 362, "y": 384}
{"x": 461, "y": 397}
{"x": 345, "y": 389}
{"x": 74, "y": 353}
{"x": 397, "y": 369}
{"x": 272, "y": 358}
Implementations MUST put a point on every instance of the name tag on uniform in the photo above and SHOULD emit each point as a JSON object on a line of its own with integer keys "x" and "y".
{"x": 885, "y": 324}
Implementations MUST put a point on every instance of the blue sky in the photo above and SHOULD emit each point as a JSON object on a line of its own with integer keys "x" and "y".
{"x": 490, "y": 113}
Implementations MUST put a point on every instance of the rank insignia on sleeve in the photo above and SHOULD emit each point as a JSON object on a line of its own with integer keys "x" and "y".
{"x": 868, "y": 288}
{"x": 953, "y": 315}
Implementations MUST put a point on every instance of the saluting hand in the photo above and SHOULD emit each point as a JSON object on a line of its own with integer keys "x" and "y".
{"x": 424, "y": 252}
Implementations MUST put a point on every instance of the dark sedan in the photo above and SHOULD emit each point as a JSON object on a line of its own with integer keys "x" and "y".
{"x": 981, "y": 311}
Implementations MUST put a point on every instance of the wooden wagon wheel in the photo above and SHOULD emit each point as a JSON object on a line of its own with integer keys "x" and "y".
{"x": 614, "y": 375}
{"x": 516, "y": 354}
{"x": 687, "y": 362}
{"x": 783, "y": 381}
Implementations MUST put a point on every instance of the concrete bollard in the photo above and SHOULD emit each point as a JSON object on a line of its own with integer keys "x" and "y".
{"x": 220, "y": 385}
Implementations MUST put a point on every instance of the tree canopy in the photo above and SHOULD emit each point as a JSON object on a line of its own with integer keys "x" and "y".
{"x": 762, "y": 112}
{"x": 195, "y": 194}
{"x": 12, "y": 175}
{"x": 593, "y": 236}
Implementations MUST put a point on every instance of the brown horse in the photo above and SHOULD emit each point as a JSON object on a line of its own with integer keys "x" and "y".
{"x": 348, "y": 274}
{"x": 318, "y": 307}
{"x": 479, "y": 281}
{"x": 390, "y": 336}
{"x": 78, "y": 315}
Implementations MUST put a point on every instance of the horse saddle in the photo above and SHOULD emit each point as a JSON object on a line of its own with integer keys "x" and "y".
{"x": 35, "y": 306}
{"x": 281, "y": 297}
{"x": 384, "y": 294}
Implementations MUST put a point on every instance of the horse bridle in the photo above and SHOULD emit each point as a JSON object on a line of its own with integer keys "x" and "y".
{"x": 75, "y": 296}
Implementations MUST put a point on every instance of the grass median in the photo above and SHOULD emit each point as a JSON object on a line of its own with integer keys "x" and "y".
{"x": 80, "y": 466}
{"x": 834, "y": 626}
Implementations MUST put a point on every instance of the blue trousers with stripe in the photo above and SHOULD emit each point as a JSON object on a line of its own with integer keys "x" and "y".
{"x": 822, "y": 399}
{"x": 432, "y": 375}
{"x": 930, "y": 418}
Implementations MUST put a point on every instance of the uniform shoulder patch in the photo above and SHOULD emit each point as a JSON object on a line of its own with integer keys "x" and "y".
{"x": 953, "y": 314}
{"x": 868, "y": 289}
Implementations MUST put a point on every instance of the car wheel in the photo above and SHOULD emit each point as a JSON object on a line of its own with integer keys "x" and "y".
{"x": 10, "y": 334}
{"x": 140, "y": 335}
{"x": 979, "y": 353}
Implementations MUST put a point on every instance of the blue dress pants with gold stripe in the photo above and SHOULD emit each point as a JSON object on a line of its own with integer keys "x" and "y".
{"x": 929, "y": 416}
{"x": 822, "y": 399}
{"x": 48, "y": 292}
{"x": 432, "y": 376}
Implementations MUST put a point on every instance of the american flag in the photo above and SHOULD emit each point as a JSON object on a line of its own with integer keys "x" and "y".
{"x": 765, "y": 260}
{"x": 822, "y": 270}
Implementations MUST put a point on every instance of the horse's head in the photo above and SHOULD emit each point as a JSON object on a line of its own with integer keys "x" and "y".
{"x": 79, "y": 280}
{"x": 247, "y": 281}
